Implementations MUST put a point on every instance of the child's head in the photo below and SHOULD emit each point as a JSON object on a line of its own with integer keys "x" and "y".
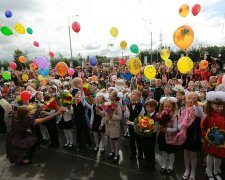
{"x": 168, "y": 104}
{"x": 145, "y": 93}
{"x": 39, "y": 95}
{"x": 23, "y": 112}
{"x": 150, "y": 105}
{"x": 179, "y": 95}
{"x": 77, "y": 83}
{"x": 113, "y": 96}
{"x": 135, "y": 96}
{"x": 215, "y": 102}
{"x": 197, "y": 84}
{"x": 202, "y": 95}
{"x": 158, "y": 83}
{"x": 100, "y": 98}
{"x": 191, "y": 99}
{"x": 167, "y": 90}
{"x": 76, "y": 94}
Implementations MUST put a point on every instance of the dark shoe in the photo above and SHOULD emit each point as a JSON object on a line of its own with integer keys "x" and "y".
{"x": 111, "y": 155}
{"x": 116, "y": 158}
{"x": 184, "y": 177}
{"x": 132, "y": 156}
{"x": 163, "y": 171}
{"x": 140, "y": 158}
{"x": 96, "y": 149}
{"x": 209, "y": 177}
{"x": 65, "y": 145}
{"x": 169, "y": 171}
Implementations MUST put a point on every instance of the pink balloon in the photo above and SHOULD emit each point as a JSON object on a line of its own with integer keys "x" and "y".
{"x": 13, "y": 65}
{"x": 35, "y": 62}
{"x": 196, "y": 9}
{"x": 36, "y": 44}
{"x": 71, "y": 71}
{"x": 114, "y": 77}
{"x": 76, "y": 27}
{"x": 51, "y": 54}
{"x": 223, "y": 81}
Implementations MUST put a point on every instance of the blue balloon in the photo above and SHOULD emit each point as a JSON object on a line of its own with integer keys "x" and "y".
{"x": 8, "y": 14}
{"x": 44, "y": 72}
{"x": 93, "y": 61}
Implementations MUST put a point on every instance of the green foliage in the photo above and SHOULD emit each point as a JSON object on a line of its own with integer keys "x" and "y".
{"x": 17, "y": 53}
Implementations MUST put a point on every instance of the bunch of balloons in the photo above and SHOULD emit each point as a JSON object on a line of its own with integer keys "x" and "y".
{"x": 43, "y": 66}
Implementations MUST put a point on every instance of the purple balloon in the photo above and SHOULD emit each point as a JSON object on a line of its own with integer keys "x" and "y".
{"x": 41, "y": 62}
{"x": 93, "y": 61}
{"x": 48, "y": 64}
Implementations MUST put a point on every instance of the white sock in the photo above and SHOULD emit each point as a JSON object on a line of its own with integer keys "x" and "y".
{"x": 103, "y": 139}
{"x": 164, "y": 159}
{"x": 209, "y": 164}
{"x": 217, "y": 163}
{"x": 187, "y": 160}
{"x": 116, "y": 142}
{"x": 193, "y": 164}
{"x": 96, "y": 138}
{"x": 171, "y": 158}
{"x": 70, "y": 136}
{"x": 66, "y": 135}
{"x": 112, "y": 145}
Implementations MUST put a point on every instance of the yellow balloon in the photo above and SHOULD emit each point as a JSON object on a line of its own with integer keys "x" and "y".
{"x": 114, "y": 32}
{"x": 25, "y": 77}
{"x": 123, "y": 44}
{"x": 168, "y": 63}
{"x": 19, "y": 28}
{"x": 134, "y": 65}
{"x": 184, "y": 10}
{"x": 185, "y": 64}
{"x": 150, "y": 72}
{"x": 40, "y": 77}
{"x": 183, "y": 37}
{"x": 165, "y": 54}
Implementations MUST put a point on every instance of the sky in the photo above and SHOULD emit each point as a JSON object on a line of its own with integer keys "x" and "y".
{"x": 134, "y": 19}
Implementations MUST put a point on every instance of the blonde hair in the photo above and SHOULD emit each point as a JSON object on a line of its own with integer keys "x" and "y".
{"x": 76, "y": 81}
{"x": 174, "y": 106}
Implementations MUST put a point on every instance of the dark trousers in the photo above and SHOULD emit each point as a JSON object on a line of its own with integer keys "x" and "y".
{"x": 3, "y": 128}
{"x": 135, "y": 139}
{"x": 148, "y": 144}
{"x": 82, "y": 132}
{"x": 52, "y": 131}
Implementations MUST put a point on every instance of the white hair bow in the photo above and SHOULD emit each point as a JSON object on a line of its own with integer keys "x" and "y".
{"x": 171, "y": 99}
{"x": 215, "y": 95}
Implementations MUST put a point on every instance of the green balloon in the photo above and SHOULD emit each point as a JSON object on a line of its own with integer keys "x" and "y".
{"x": 29, "y": 31}
{"x": 6, "y": 31}
{"x": 134, "y": 48}
{"x": 6, "y": 75}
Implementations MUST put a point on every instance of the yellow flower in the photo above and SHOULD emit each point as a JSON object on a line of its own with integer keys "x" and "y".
{"x": 151, "y": 121}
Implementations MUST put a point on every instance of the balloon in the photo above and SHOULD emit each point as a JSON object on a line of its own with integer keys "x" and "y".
{"x": 93, "y": 61}
{"x": 25, "y": 96}
{"x": 44, "y": 81}
{"x": 184, "y": 10}
{"x": 35, "y": 62}
{"x": 44, "y": 72}
{"x": 223, "y": 81}
{"x": 122, "y": 60}
{"x": 36, "y": 43}
{"x": 196, "y": 9}
{"x": 114, "y": 32}
{"x": 165, "y": 54}
{"x": 76, "y": 27}
{"x": 51, "y": 54}
{"x": 71, "y": 71}
{"x": 41, "y": 62}
{"x": 19, "y": 28}
{"x": 6, "y": 31}
{"x": 183, "y": 37}
{"x": 22, "y": 59}
{"x": 29, "y": 30}
{"x": 134, "y": 48}
{"x": 114, "y": 77}
{"x": 149, "y": 72}
{"x": 94, "y": 78}
{"x": 185, "y": 64}
{"x": 48, "y": 65}
{"x": 123, "y": 44}
{"x": 25, "y": 77}
{"x": 203, "y": 64}
{"x": 40, "y": 77}
{"x": 134, "y": 65}
{"x": 12, "y": 65}
{"x": 61, "y": 68}
{"x": 6, "y": 75}
{"x": 8, "y": 14}
{"x": 168, "y": 63}
{"x": 32, "y": 66}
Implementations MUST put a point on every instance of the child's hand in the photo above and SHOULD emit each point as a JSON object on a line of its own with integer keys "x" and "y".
{"x": 128, "y": 122}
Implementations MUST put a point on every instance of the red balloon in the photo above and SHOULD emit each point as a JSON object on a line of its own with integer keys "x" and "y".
{"x": 196, "y": 9}
{"x": 25, "y": 96}
{"x": 13, "y": 65}
{"x": 122, "y": 61}
{"x": 76, "y": 27}
{"x": 51, "y": 54}
{"x": 36, "y": 44}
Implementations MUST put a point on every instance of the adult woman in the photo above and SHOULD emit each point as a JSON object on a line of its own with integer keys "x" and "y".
{"x": 20, "y": 142}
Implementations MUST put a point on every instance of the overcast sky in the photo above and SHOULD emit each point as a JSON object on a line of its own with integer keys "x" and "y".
{"x": 135, "y": 20}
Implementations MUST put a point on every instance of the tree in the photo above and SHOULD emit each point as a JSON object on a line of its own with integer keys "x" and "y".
{"x": 17, "y": 53}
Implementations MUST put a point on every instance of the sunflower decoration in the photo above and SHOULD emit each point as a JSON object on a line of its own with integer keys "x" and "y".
{"x": 65, "y": 98}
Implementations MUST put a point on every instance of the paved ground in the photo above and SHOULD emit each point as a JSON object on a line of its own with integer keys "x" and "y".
{"x": 59, "y": 164}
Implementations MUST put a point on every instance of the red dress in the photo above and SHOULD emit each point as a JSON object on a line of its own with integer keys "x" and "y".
{"x": 214, "y": 120}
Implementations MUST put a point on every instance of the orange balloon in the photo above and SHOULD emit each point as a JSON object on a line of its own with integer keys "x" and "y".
{"x": 44, "y": 81}
{"x": 184, "y": 10}
{"x": 32, "y": 66}
{"x": 61, "y": 68}
{"x": 94, "y": 78}
{"x": 22, "y": 59}
{"x": 183, "y": 37}
{"x": 203, "y": 64}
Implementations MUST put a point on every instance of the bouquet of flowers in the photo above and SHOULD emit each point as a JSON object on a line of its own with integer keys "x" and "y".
{"x": 108, "y": 107}
{"x": 144, "y": 126}
{"x": 65, "y": 98}
{"x": 51, "y": 104}
{"x": 163, "y": 118}
{"x": 216, "y": 137}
